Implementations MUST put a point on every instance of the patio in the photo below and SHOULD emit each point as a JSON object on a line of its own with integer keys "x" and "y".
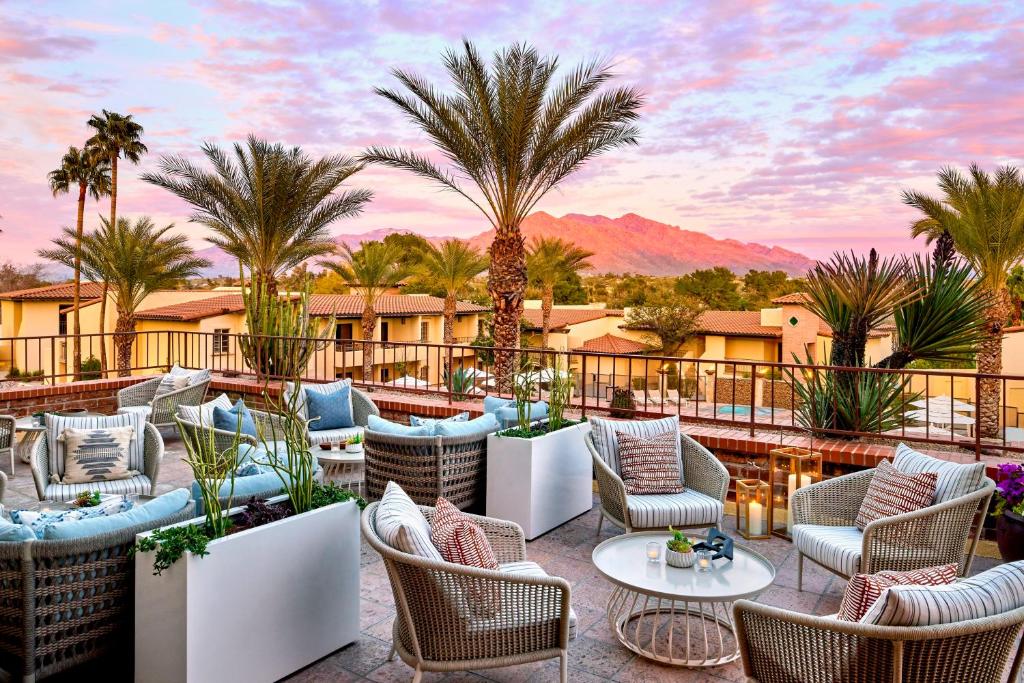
{"x": 595, "y": 655}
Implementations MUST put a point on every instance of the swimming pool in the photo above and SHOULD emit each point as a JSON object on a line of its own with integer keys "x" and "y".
{"x": 742, "y": 411}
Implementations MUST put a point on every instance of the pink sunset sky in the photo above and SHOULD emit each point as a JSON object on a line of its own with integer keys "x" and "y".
{"x": 793, "y": 123}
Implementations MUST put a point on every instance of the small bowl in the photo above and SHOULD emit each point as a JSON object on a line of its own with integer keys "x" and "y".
{"x": 680, "y": 560}
{"x": 326, "y": 446}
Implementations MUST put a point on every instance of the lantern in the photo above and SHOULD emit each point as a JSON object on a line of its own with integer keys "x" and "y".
{"x": 789, "y": 469}
{"x": 753, "y": 502}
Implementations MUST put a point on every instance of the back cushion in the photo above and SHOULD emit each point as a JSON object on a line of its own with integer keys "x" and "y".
{"x": 863, "y": 590}
{"x": 485, "y": 424}
{"x": 402, "y": 526}
{"x": 56, "y": 424}
{"x": 998, "y": 590}
{"x": 382, "y": 426}
{"x": 92, "y": 455}
{"x": 603, "y": 433}
{"x": 954, "y": 480}
{"x": 203, "y": 414}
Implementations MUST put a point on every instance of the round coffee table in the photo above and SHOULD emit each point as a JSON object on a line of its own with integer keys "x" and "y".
{"x": 342, "y": 467}
{"x": 31, "y": 432}
{"x": 677, "y": 616}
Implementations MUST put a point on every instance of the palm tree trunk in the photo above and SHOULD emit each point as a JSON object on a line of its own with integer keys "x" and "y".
{"x": 124, "y": 338}
{"x": 506, "y": 285}
{"x": 103, "y": 328}
{"x": 369, "y": 324}
{"x": 547, "y": 301}
{"x": 113, "y": 188}
{"x": 990, "y": 362}
{"x": 449, "y": 330}
{"x": 76, "y": 328}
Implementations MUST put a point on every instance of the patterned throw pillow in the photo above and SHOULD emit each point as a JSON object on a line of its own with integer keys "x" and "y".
{"x": 459, "y": 539}
{"x": 892, "y": 492}
{"x": 170, "y": 383}
{"x": 110, "y": 504}
{"x": 330, "y": 411}
{"x": 649, "y": 465}
{"x": 432, "y": 422}
{"x": 96, "y": 454}
{"x": 864, "y": 589}
{"x": 402, "y": 526}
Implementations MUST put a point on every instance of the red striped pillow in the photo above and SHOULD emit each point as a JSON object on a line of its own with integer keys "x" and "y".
{"x": 458, "y": 539}
{"x": 892, "y": 492}
{"x": 864, "y": 589}
{"x": 649, "y": 465}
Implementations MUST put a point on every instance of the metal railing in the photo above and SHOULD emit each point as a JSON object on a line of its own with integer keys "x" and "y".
{"x": 936, "y": 407}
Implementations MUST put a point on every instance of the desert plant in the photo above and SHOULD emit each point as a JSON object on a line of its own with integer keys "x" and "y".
{"x": 622, "y": 403}
{"x": 87, "y": 499}
{"x": 844, "y": 400}
{"x": 561, "y": 386}
{"x": 460, "y": 382}
{"x": 679, "y": 542}
{"x": 212, "y": 467}
{"x": 296, "y": 466}
{"x": 522, "y": 391}
{"x": 450, "y": 267}
{"x": 549, "y": 261}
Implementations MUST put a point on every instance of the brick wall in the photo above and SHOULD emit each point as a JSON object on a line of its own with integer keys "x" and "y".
{"x": 96, "y": 395}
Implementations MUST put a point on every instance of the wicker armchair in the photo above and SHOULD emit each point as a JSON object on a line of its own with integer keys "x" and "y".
{"x": 44, "y": 631}
{"x": 779, "y": 646}
{"x": 701, "y": 505}
{"x": 931, "y": 536}
{"x": 145, "y": 483}
{"x": 266, "y": 423}
{"x": 159, "y": 411}
{"x": 362, "y": 407}
{"x": 434, "y": 632}
{"x": 427, "y": 467}
{"x": 7, "y": 439}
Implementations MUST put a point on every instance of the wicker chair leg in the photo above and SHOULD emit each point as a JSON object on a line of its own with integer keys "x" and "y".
{"x": 600, "y": 522}
{"x": 563, "y": 667}
{"x": 800, "y": 571}
{"x": 417, "y": 676}
{"x": 391, "y": 656}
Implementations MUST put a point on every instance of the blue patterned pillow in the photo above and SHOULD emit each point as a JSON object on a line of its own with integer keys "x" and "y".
{"x": 431, "y": 422}
{"x": 333, "y": 409}
{"x": 228, "y": 419}
{"x": 38, "y": 521}
{"x": 485, "y": 424}
{"x": 379, "y": 424}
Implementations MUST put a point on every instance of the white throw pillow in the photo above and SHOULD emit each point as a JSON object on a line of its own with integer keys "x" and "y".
{"x": 203, "y": 414}
{"x": 402, "y": 526}
{"x": 955, "y": 479}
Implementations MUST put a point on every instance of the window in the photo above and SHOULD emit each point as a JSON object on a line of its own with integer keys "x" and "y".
{"x": 424, "y": 332}
{"x": 221, "y": 340}
{"x": 384, "y": 332}
{"x": 423, "y": 373}
{"x": 343, "y": 336}
{"x": 385, "y": 375}
{"x": 62, "y": 323}
{"x": 342, "y": 375}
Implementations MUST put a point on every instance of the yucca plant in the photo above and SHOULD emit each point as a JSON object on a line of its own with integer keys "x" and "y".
{"x": 460, "y": 382}
{"x": 851, "y": 401}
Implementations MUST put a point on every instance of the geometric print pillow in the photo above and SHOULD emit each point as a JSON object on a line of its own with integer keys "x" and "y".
{"x": 864, "y": 589}
{"x": 649, "y": 465}
{"x": 96, "y": 454}
{"x": 459, "y": 539}
{"x": 603, "y": 432}
{"x": 892, "y": 492}
{"x": 56, "y": 424}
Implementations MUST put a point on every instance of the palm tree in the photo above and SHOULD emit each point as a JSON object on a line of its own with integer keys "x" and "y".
{"x": 450, "y": 267}
{"x": 136, "y": 258}
{"x": 116, "y": 135}
{"x": 514, "y": 134}
{"x": 549, "y": 261}
{"x": 91, "y": 173}
{"x": 268, "y": 206}
{"x": 373, "y": 269}
{"x": 985, "y": 217}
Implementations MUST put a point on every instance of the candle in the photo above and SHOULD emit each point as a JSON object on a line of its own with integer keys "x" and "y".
{"x": 805, "y": 480}
{"x": 755, "y": 513}
{"x": 653, "y": 552}
{"x": 704, "y": 563}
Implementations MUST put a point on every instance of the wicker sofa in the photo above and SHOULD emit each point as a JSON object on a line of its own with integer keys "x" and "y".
{"x": 779, "y": 646}
{"x": 160, "y": 411}
{"x": 41, "y": 635}
{"x": 433, "y": 631}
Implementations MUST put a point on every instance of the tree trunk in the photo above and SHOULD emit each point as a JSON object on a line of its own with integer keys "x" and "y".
{"x": 113, "y": 188}
{"x": 506, "y": 285}
{"x": 124, "y": 338}
{"x": 106, "y": 285}
{"x": 547, "y": 301}
{"x": 76, "y": 328}
{"x": 449, "y": 318}
{"x": 103, "y": 328}
{"x": 990, "y": 362}
{"x": 369, "y": 325}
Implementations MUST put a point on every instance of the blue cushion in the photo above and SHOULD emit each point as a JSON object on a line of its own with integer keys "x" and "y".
{"x": 228, "y": 419}
{"x": 492, "y": 403}
{"x": 432, "y": 421}
{"x": 379, "y": 424}
{"x": 261, "y": 453}
{"x": 485, "y": 424}
{"x": 509, "y": 416}
{"x": 333, "y": 409}
{"x": 153, "y": 511}
{"x": 14, "y": 532}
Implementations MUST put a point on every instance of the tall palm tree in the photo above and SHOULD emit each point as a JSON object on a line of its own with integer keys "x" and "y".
{"x": 549, "y": 261}
{"x": 373, "y": 269}
{"x": 116, "y": 136}
{"x": 90, "y": 171}
{"x": 450, "y": 267}
{"x": 985, "y": 217}
{"x": 515, "y": 134}
{"x": 136, "y": 258}
{"x": 268, "y": 205}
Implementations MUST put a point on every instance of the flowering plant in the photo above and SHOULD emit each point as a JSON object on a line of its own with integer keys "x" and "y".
{"x": 1010, "y": 489}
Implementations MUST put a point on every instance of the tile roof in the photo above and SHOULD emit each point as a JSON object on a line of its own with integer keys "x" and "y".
{"x": 609, "y": 343}
{"x": 794, "y": 298}
{"x": 65, "y": 290}
{"x": 320, "y": 305}
{"x": 563, "y": 317}
{"x": 735, "y": 323}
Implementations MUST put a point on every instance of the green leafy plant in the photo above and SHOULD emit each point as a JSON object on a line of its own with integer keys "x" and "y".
{"x": 561, "y": 386}
{"x": 523, "y": 390}
{"x": 354, "y": 440}
{"x": 850, "y": 401}
{"x": 296, "y": 466}
{"x": 87, "y": 499}
{"x": 91, "y": 368}
{"x": 212, "y": 467}
{"x": 330, "y": 493}
{"x": 622, "y": 403}
{"x": 460, "y": 382}
{"x": 679, "y": 542}
{"x": 170, "y": 544}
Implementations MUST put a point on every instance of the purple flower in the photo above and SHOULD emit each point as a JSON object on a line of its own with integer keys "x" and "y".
{"x": 1010, "y": 486}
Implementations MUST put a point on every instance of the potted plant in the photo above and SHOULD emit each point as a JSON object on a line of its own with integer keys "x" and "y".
{"x": 1009, "y": 512}
{"x": 539, "y": 474}
{"x": 354, "y": 444}
{"x": 679, "y": 550}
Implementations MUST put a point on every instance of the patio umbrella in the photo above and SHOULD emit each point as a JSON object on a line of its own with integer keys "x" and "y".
{"x": 943, "y": 403}
{"x": 408, "y": 381}
{"x": 548, "y": 374}
{"x": 939, "y": 418}
{"x": 477, "y": 373}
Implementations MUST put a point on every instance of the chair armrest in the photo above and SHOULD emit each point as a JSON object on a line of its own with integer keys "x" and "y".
{"x": 166, "y": 406}
{"x": 3, "y": 485}
{"x": 7, "y": 431}
{"x": 39, "y": 463}
{"x": 362, "y": 407}
{"x": 152, "y": 454}
{"x": 835, "y": 502}
{"x": 138, "y": 394}
{"x": 702, "y": 471}
{"x": 609, "y": 485}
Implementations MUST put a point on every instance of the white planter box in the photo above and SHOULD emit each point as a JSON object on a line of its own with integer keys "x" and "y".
{"x": 264, "y": 603}
{"x": 539, "y": 483}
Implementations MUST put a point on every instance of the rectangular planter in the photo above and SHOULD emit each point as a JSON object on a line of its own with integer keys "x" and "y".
{"x": 539, "y": 483}
{"x": 264, "y": 603}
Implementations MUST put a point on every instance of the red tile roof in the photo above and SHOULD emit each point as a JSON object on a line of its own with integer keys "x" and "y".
{"x": 609, "y": 343}
{"x": 563, "y": 317}
{"x": 66, "y": 290}
{"x": 794, "y": 298}
{"x": 735, "y": 324}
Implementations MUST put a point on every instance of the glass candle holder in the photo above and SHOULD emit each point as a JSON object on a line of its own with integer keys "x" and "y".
{"x": 653, "y": 552}
{"x": 703, "y": 563}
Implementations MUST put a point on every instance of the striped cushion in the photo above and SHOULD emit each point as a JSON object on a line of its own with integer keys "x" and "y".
{"x": 138, "y": 484}
{"x": 300, "y": 398}
{"x": 203, "y": 414}
{"x": 687, "y": 509}
{"x": 892, "y": 492}
{"x": 999, "y": 590}
{"x": 56, "y": 424}
{"x": 333, "y": 435}
{"x": 170, "y": 383}
{"x": 603, "y": 432}
{"x": 144, "y": 411}
{"x": 402, "y": 526}
{"x": 194, "y": 376}
{"x": 836, "y": 547}
{"x": 955, "y": 479}
{"x": 864, "y": 589}
{"x": 650, "y": 465}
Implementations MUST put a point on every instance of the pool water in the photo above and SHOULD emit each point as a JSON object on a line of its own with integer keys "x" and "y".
{"x": 742, "y": 411}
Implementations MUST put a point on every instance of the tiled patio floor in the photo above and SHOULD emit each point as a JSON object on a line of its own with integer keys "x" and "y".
{"x": 595, "y": 655}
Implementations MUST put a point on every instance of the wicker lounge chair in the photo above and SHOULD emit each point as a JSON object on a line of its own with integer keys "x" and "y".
{"x": 362, "y": 407}
{"x": 700, "y": 506}
{"x": 779, "y": 646}
{"x": 159, "y": 411}
{"x": 433, "y": 631}
{"x": 7, "y": 439}
{"x": 427, "y": 467}
{"x": 41, "y": 635}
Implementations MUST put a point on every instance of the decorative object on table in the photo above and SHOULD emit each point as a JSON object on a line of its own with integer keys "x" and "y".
{"x": 37, "y": 419}
{"x": 88, "y": 499}
{"x": 753, "y": 498}
{"x": 704, "y": 561}
{"x": 789, "y": 469}
{"x": 354, "y": 444}
{"x": 1009, "y": 512}
{"x": 679, "y": 550}
{"x": 718, "y": 544}
{"x": 653, "y": 552}
{"x": 326, "y": 446}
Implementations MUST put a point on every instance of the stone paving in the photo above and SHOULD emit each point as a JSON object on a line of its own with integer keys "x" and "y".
{"x": 595, "y": 655}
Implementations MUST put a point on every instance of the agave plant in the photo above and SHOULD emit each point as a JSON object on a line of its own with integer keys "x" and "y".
{"x": 460, "y": 382}
{"x": 836, "y": 401}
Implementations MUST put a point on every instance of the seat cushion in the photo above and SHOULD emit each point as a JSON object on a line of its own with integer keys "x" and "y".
{"x": 687, "y": 509}
{"x": 532, "y": 569}
{"x": 603, "y": 433}
{"x": 836, "y": 547}
{"x": 331, "y": 410}
{"x": 153, "y": 511}
{"x": 650, "y": 465}
{"x": 892, "y": 492}
{"x": 954, "y": 479}
{"x": 144, "y": 411}
{"x": 203, "y": 414}
{"x": 402, "y": 526}
{"x": 864, "y": 589}
{"x": 140, "y": 484}
{"x": 333, "y": 435}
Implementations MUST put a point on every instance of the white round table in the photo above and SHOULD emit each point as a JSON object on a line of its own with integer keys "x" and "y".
{"x": 677, "y": 616}
{"x": 342, "y": 467}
